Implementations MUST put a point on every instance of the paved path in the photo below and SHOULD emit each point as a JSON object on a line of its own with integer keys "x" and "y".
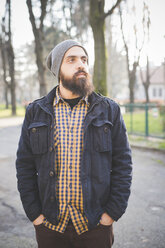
{"x": 143, "y": 225}
{"x": 8, "y": 122}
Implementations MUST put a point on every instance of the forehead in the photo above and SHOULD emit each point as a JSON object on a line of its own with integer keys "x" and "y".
{"x": 75, "y": 51}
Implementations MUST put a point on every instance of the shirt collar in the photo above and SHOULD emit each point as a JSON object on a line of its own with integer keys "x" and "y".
{"x": 59, "y": 98}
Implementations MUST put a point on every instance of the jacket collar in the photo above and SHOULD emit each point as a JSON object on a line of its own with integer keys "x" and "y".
{"x": 47, "y": 102}
{"x": 51, "y": 95}
{"x": 92, "y": 98}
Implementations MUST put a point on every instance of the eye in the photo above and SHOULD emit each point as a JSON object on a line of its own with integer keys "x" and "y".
{"x": 84, "y": 60}
{"x": 71, "y": 60}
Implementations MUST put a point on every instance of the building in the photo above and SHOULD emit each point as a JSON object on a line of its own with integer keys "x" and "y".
{"x": 156, "y": 88}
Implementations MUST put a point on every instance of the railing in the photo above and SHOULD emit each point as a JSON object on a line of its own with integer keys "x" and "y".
{"x": 144, "y": 119}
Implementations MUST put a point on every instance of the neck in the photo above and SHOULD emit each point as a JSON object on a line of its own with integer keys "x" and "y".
{"x": 66, "y": 94}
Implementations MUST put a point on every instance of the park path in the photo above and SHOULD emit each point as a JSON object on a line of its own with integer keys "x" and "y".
{"x": 142, "y": 226}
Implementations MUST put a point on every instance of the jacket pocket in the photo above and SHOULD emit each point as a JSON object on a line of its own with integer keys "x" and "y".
{"x": 102, "y": 135}
{"x": 38, "y": 137}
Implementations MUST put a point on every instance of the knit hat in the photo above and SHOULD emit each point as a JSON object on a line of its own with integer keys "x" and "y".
{"x": 55, "y": 57}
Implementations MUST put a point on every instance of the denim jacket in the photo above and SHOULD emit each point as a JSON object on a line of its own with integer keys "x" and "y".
{"x": 106, "y": 166}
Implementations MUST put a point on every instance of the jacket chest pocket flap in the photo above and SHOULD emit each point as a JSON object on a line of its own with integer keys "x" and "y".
{"x": 102, "y": 135}
{"x": 38, "y": 132}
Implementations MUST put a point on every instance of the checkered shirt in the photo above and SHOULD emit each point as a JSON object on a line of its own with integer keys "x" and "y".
{"x": 68, "y": 142}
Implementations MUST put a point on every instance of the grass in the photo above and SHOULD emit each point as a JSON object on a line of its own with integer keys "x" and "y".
{"x": 138, "y": 121}
{"x": 162, "y": 145}
{"x": 4, "y": 113}
{"x": 155, "y": 124}
{"x": 159, "y": 161}
{"x": 155, "y": 127}
{"x": 147, "y": 142}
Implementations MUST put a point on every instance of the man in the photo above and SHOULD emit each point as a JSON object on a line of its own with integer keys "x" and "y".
{"x": 73, "y": 160}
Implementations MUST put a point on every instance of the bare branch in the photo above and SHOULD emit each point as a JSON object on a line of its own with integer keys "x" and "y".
{"x": 39, "y": 36}
{"x": 68, "y": 27}
{"x": 149, "y": 75}
{"x": 141, "y": 75}
{"x": 31, "y": 15}
{"x": 124, "y": 40}
{"x": 43, "y": 12}
{"x": 112, "y": 9}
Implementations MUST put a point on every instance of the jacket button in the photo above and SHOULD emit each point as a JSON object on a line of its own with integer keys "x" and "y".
{"x": 105, "y": 129}
{"x": 50, "y": 149}
{"x": 51, "y": 174}
{"x": 52, "y": 198}
{"x": 34, "y": 130}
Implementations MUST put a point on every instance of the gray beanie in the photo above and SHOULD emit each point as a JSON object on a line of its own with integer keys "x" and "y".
{"x": 55, "y": 57}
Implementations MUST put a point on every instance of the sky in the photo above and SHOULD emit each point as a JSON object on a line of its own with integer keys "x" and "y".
{"x": 22, "y": 32}
{"x": 157, "y": 39}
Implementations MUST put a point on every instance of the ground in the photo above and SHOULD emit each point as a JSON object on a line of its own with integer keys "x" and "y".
{"x": 142, "y": 226}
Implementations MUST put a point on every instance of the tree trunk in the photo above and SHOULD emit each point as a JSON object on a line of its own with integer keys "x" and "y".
{"x": 99, "y": 77}
{"x": 146, "y": 82}
{"x": 6, "y": 97}
{"x": 10, "y": 53}
{"x": 132, "y": 81}
{"x": 3, "y": 56}
{"x": 38, "y": 35}
{"x": 131, "y": 89}
{"x": 12, "y": 82}
{"x": 146, "y": 87}
{"x": 40, "y": 66}
{"x": 97, "y": 23}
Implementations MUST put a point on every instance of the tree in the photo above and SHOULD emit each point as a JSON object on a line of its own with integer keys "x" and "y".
{"x": 146, "y": 78}
{"x": 39, "y": 37}
{"x": 4, "y": 62}
{"x": 7, "y": 54}
{"x": 131, "y": 66}
{"x": 146, "y": 27}
{"x": 11, "y": 58}
{"x": 97, "y": 18}
{"x": 116, "y": 63}
{"x": 77, "y": 21}
{"x": 27, "y": 75}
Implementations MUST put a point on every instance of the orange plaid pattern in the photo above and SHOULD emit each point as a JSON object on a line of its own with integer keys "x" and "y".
{"x": 68, "y": 142}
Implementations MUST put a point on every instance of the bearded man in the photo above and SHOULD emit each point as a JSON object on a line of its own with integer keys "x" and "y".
{"x": 73, "y": 160}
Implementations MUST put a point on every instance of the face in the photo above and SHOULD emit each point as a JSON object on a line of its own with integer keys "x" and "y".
{"x": 74, "y": 72}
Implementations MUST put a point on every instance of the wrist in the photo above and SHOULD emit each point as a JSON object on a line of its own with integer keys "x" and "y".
{"x": 106, "y": 219}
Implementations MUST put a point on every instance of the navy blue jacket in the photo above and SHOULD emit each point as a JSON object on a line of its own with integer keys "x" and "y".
{"x": 106, "y": 166}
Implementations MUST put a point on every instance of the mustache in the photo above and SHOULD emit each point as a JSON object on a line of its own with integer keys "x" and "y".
{"x": 81, "y": 71}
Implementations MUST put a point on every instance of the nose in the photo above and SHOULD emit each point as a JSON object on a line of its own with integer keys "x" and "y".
{"x": 80, "y": 64}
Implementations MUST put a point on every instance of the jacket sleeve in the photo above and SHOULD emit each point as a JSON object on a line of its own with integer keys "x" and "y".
{"x": 121, "y": 173}
{"x": 26, "y": 172}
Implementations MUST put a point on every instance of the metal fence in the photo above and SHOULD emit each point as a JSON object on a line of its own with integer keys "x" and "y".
{"x": 144, "y": 119}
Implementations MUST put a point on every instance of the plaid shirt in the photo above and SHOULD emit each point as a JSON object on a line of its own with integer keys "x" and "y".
{"x": 68, "y": 142}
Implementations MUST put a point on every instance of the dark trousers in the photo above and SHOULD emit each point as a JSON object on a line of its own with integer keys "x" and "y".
{"x": 99, "y": 237}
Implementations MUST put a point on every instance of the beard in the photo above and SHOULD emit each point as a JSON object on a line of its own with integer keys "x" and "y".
{"x": 78, "y": 86}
